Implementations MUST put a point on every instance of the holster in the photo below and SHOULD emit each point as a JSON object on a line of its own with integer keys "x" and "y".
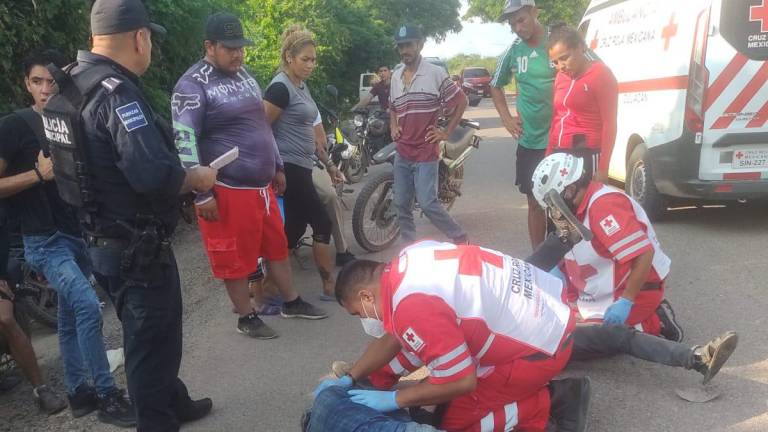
{"x": 148, "y": 252}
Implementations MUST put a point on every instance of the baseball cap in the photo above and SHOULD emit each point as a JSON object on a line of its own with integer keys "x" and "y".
{"x": 226, "y": 28}
{"x": 121, "y": 16}
{"x": 512, "y": 6}
{"x": 408, "y": 33}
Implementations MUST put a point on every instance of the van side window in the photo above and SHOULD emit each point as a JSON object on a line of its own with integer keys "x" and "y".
{"x": 583, "y": 28}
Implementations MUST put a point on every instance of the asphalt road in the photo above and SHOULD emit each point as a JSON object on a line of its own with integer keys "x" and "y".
{"x": 717, "y": 283}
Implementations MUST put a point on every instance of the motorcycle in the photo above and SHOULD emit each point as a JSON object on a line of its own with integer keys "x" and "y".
{"x": 38, "y": 297}
{"x": 346, "y": 153}
{"x": 374, "y": 217}
{"x": 20, "y": 313}
{"x": 372, "y": 133}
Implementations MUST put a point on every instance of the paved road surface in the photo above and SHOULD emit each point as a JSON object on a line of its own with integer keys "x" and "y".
{"x": 718, "y": 283}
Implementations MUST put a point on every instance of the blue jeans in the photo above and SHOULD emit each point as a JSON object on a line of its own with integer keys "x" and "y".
{"x": 334, "y": 411}
{"x": 63, "y": 260}
{"x": 419, "y": 179}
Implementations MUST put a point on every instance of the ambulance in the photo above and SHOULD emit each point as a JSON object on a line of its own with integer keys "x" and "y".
{"x": 693, "y": 96}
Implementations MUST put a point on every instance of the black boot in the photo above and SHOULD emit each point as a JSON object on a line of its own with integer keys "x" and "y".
{"x": 195, "y": 410}
{"x": 570, "y": 400}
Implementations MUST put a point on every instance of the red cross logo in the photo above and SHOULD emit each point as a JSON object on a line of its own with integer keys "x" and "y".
{"x": 563, "y": 172}
{"x": 759, "y": 13}
{"x": 668, "y": 32}
{"x": 608, "y": 223}
{"x": 595, "y": 42}
{"x": 471, "y": 259}
{"x": 410, "y": 338}
{"x": 739, "y": 155}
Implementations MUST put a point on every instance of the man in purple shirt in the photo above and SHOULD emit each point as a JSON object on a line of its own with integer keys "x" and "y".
{"x": 217, "y": 106}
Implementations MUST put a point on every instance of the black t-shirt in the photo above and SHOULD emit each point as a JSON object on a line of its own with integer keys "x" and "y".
{"x": 39, "y": 208}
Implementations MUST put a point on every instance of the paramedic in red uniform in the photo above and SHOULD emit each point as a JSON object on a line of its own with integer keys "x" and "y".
{"x": 493, "y": 331}
{"x": 616, "y": 281}
{"x": 585, "y": 100}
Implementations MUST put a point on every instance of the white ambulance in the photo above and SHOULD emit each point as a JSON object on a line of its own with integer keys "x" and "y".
{"x": 693, "y": 96}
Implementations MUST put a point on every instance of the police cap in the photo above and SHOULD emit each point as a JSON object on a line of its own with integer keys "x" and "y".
{"x": 120, "y": 16}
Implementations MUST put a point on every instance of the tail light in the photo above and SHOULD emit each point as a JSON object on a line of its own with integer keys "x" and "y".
{"x": 698, "y": 79}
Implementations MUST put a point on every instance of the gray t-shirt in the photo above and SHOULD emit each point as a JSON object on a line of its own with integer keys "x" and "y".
{"x": 294, "y": 129}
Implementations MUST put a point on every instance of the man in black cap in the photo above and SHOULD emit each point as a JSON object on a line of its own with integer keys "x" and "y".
{"x": 419, "y": 93}
{"x": 115, "y": 158}
{"x": 217, "y": 106}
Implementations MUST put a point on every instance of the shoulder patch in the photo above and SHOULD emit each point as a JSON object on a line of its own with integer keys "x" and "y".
{"x": 413, "y": 340}
{"x": 132, "y": 116}
{"x": 111, "y": 84}
{"x": 609, "y": 225}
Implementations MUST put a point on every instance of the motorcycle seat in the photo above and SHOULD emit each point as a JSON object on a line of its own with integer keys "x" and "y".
{"x": 458, "y": 142}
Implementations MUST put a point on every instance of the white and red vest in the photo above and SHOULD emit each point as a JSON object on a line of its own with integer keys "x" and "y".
{"x": 515, "y": 300}
{"x": 600, "y": 284}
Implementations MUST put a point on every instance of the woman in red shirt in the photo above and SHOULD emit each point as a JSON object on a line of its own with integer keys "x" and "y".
{"x": 585, "y": 100}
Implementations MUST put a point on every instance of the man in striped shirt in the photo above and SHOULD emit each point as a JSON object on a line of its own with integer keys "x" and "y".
{"x": 419, "y": 93}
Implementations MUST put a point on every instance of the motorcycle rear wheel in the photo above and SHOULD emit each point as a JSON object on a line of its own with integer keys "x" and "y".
{"x": 41, "y": 302}
{"x": 374, "y": 219}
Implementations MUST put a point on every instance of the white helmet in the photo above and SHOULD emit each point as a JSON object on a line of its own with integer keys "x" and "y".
{"x": 556, "y": 171}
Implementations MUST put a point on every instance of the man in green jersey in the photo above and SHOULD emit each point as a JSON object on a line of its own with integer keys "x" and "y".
{"x": 528, "y": 63}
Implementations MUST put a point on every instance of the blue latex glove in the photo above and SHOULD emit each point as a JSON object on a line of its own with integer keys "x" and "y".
{"x": 618, "y": 312}
{"x": 344, "y": 382}
{"x": 382, "y": 401}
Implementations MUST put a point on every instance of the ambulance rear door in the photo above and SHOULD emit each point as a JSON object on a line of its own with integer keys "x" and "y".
{"x": 734, "y": 138}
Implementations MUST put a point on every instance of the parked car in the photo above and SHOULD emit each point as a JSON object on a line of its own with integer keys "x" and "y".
{"x": 477, "y": 80}
{"x": 367, "y": 81}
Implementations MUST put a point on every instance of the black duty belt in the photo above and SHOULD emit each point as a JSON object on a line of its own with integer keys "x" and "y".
{"x": 111, "y": 242}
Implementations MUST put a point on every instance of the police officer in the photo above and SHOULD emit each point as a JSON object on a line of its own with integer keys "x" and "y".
{"x": 128, "y": 182}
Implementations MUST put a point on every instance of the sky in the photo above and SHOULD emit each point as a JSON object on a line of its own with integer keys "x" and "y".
{"x": 486, "y": 39}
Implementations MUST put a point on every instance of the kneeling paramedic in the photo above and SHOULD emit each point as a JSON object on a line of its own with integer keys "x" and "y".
{"x": 616, "y": 280}
{"x": 492, "y": 330}
{"x": 115, "y": 160}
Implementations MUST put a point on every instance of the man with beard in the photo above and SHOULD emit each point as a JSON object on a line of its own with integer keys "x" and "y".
{"x": 419, "y": 93}
{"x": 217, "y": 106}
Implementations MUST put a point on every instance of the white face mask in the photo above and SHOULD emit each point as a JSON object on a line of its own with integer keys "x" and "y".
{"x": 372, "y": 326}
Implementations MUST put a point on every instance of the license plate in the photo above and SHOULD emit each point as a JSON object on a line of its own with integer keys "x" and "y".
{"x": 750, "y": 159}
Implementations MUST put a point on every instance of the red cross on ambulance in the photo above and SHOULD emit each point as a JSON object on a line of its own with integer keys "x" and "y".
{"x": 760, "y": 13}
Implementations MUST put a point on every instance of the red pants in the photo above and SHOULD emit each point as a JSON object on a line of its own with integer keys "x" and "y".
{"x": 643, "y": 313}
{"x": 515, "y": 396}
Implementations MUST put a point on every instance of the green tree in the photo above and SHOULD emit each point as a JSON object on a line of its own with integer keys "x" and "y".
{"x": 353, "y": 36}
{"x": 552, "y": 11}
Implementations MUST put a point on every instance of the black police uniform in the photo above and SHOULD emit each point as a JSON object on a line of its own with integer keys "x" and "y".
{"x": 136, "y": 177}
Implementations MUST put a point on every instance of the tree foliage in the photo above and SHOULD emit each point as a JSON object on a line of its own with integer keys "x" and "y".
{"x": 552, "y": 11}
{"x": 353, "y": 35}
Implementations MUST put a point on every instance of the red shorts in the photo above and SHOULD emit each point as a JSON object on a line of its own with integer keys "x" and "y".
{"x": 245, "y": 231}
